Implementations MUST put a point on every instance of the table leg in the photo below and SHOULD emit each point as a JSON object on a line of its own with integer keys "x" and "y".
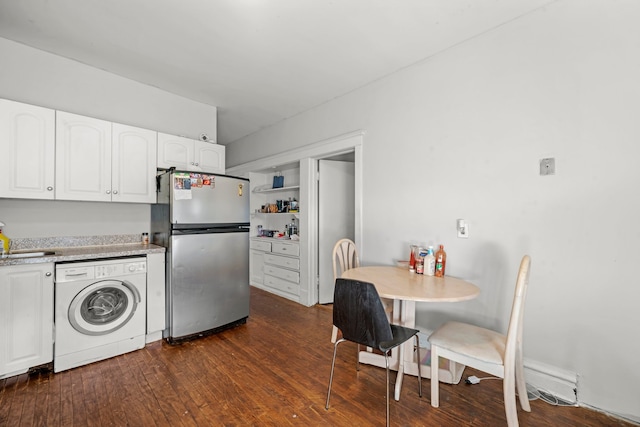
{"x": 404, "y": 313}
{"x": 408, "y": 319}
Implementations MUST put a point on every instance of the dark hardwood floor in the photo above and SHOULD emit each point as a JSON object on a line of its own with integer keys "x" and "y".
{"x": 273, "y": 371}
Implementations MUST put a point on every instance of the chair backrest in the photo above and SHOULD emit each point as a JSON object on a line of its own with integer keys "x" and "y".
{"x": 514, "y": 333}
{"x": 359, "y": 313}
{"x": 346, "y": 255}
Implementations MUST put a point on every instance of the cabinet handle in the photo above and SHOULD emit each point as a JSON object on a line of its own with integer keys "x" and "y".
{"x": 196, "y": 164}
{"x": 49, "y": 188}
{"x": 108, "y": 191}
{"x": 48, "y": 274}
{"x": 115, "y": 191}
{"x": 192, "y": 163}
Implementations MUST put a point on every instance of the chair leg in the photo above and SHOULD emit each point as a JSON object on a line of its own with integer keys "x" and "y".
{"x": 509, "y": 391}
{"x": 333, "y": 364}
{"x": 419, "y": 373}
{"x": 334, "y": 334}
{"x": 435, "y": 398}
{"x": 358, "y": 357}
{"x": 521, "y": 383}
{"x": 386, "y": 361}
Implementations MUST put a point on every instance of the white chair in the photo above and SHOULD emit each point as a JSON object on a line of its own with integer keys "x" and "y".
{"x": 488, "y": 351}
{"x": 345, "y": 257}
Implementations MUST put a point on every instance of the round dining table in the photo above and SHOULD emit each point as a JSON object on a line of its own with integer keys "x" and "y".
{"x": 406, "y": 288}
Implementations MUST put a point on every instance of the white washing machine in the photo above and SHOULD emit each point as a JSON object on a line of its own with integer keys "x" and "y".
{"x": 99, "y": 310}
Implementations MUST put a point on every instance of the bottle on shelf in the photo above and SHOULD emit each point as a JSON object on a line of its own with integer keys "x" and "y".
{"x": 293, "y": 206}
{"x": 430, "y": 262}
{"x": 441, "y": 261}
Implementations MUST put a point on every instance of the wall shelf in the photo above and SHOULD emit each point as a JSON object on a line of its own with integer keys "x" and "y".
{"x": 275, "y": 190}
{"x": 295, "y": 214}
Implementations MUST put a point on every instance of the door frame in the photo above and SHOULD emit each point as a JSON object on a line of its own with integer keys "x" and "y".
{"x": 308, "y": 156}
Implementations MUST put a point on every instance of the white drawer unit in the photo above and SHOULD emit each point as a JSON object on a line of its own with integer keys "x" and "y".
{"x": 292, "y": 249}
{"x": 276, "y": 267}
{"x": 261, "y": 245}
{"x": 283, "y": 273}
{"x": 282, "y": 261}
{"x": 281, "y": 285}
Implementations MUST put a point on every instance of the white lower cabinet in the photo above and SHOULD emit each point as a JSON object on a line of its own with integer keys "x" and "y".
{"x": 26, "y": 317}
{"x": 156, "y": 296}
{"x": 256, "y": 265}
{"x": 275, "y": 267}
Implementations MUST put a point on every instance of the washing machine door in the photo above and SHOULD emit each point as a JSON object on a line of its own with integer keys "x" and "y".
{"x": 103, "y": 307}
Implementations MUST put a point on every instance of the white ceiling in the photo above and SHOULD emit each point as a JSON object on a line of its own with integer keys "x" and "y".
{"x": 258, "y": 61}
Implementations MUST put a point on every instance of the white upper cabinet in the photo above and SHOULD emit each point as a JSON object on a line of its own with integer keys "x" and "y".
{"x": 83, "y": 158}
{"x": 27, "y": 146}
{"x": 210, "y": 156}
{"x": 133, "y": 164}
{"x": 174, "y": 151}
{"x": 190, "y": 154}
{"x": 101, "y": 162}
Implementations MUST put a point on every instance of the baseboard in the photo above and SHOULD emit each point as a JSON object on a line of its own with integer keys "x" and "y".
{"x": 154, "y": 336}
{"x": 624, "y": 417}
{"x": 558, "y": 382}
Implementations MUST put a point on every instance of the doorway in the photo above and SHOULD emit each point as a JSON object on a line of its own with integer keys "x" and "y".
{"x": 307, "y": 156}
{"x": 336, "y": 215}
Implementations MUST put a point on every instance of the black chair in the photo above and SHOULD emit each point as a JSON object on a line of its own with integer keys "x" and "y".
{"x": 359, "y": 314}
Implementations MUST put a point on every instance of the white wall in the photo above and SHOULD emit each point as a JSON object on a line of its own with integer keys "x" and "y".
{"x": 40, "y": 218}
{"x": 460, "y": 136}
{"x": 36, "y": 77}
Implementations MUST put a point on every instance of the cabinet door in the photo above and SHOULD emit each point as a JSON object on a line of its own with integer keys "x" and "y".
{"x": 257, "y": 267}
{"x": 175, "y": 151}
{"x": 209, "y": 157}
{"x": 26, "y": 317}
{"x": 83, "y": 158}
{"x": 133, "y": 164}
{"x": 156, "y": 292}
{"x": 27, "y": 144}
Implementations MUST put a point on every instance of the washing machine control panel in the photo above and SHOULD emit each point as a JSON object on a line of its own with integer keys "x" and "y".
{"x": 111, "y": 270}
{"x": 100, "y": 269}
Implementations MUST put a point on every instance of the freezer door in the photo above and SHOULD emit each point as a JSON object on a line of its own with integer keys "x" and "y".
{"x": 221, "y": 199}
{"x": 209, "y": 282}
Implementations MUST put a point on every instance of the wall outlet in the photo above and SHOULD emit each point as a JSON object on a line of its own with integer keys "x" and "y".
{"x": 548, "y": 166}
{"x": 463, "y": 229}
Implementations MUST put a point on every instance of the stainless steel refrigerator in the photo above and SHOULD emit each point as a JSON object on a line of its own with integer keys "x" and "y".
{"x": 203, "y": 221}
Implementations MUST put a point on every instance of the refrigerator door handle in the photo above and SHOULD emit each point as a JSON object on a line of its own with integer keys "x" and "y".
{"x": 211, "y": 230}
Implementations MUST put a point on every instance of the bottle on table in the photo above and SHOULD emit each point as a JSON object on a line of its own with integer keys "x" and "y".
{"x": 430, "y": 262}
{"x": 441, "y": 261}
{"x": 420, "y": 261}
{"x": 412, "y": 257}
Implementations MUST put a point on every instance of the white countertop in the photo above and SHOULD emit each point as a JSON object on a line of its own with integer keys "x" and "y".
{"x": 83, "y": 253}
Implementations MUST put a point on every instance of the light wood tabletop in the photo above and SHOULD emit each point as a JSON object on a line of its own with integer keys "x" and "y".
{"x": 398, "y": 283}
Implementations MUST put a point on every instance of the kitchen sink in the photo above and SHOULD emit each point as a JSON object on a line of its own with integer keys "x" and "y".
{"x": 28, "y": 254}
